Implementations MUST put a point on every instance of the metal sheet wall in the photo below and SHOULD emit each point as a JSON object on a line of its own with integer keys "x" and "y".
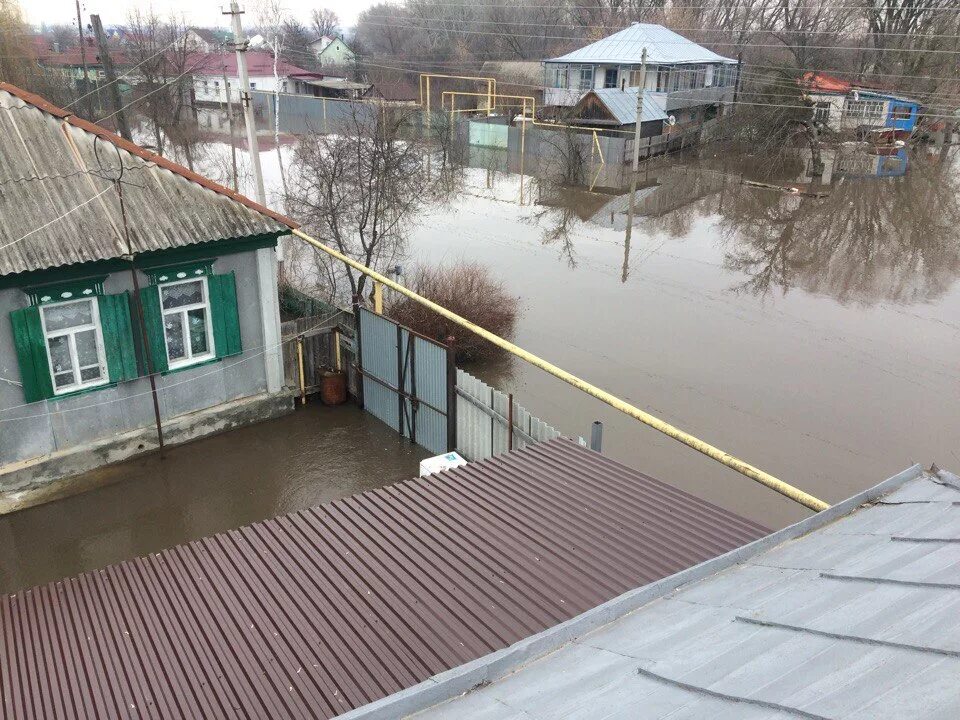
{"x": 483, "y": 418}
{"x": 385, "y": 354}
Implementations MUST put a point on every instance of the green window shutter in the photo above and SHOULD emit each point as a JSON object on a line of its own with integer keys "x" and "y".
{"x": 226, "y": 317}
{"x": 118, "y": 336}
{"x": 32, "y": 354}
{"x": 153, "y": 320}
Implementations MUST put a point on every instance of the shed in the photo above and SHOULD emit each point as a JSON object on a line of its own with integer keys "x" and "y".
{"x": 618, "y": 108}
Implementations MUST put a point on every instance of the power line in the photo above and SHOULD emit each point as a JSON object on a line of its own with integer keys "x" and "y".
{"x": 779, "y": 46}
{"x": 510, "y": 23}
{"x": 56, "y": 219}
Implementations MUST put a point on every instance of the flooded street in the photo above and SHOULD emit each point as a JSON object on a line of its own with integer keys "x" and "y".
{"x": 815, "y": 338}
{"x": 314, "y": 455}
{"x": 813, "y": 333}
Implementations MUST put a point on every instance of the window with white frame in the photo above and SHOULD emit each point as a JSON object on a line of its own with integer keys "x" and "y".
{"x": 586, "y": 77}
{"x": 74, "y": 341}
{"x": 187, "y": 326}
{"x": 556, "y": 76}
{"x": 866, "y": 109}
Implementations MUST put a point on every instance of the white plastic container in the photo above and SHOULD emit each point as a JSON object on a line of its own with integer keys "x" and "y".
{"x": 441, "y": 462}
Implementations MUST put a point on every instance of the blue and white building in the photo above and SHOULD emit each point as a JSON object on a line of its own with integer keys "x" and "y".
{"x": 682, "y": 77}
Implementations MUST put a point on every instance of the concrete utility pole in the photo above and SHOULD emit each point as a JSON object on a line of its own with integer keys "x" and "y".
{"x": 736, "y": 86}
{"x": 267, "y": 269}
{"x": 111, "y": 79}
{"x": 643, "y": 82}
{"x": 240, "y": 45}
{"x": 233, "y": 146}
{"x": 83, "y": 61}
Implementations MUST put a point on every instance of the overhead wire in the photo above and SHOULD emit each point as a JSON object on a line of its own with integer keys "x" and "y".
{"x": 779, "y": 46}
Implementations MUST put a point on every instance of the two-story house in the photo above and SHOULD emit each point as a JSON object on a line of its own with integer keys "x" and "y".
{"x": 683, "y": 78}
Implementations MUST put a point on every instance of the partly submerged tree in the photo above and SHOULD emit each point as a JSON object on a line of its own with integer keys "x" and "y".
{"x": 359, "y": 190}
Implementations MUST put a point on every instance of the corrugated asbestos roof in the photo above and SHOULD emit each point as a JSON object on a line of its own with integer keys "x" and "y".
{"x": 317, "y": 612}
{"x": 49, "y": 168}
{"x": 622, "y": 104}
{"x": 664, "y": 47}
{"x": 858, "y": 620}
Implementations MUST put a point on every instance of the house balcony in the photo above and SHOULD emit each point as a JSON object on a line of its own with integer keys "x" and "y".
{"x": 679, "y": 99}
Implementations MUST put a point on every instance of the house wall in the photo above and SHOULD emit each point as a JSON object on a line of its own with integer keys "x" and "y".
{"x": 682, "y": 79}
{"x": 210, "y": 88}
{"x": 336, "y": 53}
{"x": 51, "y": 425}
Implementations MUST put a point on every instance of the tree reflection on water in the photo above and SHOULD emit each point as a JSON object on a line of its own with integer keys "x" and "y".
{"x": 869, "y": 240}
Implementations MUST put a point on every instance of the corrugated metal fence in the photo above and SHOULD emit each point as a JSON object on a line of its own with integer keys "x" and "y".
{"x": 405, "y": 381}
{"x": 485, "y": 418}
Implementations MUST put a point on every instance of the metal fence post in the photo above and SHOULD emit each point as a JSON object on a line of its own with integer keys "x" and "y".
{"x": 451, "y": 394}
{"x": 510, "y": 421}
{"x": 401, "y": 381}
{"x": 596, "y": 435}
{"x": 358, "y": 353}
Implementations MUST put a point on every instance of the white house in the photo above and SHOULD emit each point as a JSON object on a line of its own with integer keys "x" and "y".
{"x": 208, "y": 76}
{"x": 332, "y": 51}
{"x": 202, "y": 40}
{"x": 680, "y": 74}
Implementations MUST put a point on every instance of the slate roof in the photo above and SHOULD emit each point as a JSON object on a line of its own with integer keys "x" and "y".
{"x": 58, "y": 207}
{"x": 313, "y": 613}
{"x": 664, "y": 47}
{"x": 858, "y": 619}
{"x": 622, "y": 104}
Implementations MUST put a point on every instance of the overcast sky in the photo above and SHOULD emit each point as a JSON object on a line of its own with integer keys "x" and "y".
{"x": 206, "y": 13}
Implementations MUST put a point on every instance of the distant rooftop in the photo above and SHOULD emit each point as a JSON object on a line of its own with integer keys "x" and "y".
{"x": 664, "y": 47}
{"x": 314, "y": 613}
{"x": 858, "y": 619}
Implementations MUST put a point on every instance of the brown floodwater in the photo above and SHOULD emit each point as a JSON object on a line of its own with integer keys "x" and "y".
{"x": 314, "y": 455}
{"x": 815, "y": 337}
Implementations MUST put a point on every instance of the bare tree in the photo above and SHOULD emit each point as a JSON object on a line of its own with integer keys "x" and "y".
{"x": 160, "y": 51}
{"x": 19, "y": 63}
{"x": 359, "y": 190}
{"x": 324, "y": 22}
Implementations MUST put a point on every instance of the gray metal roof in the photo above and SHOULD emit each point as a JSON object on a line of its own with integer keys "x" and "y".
{"x": 622, "y": 104}
{"x": 858, "y": 619}
{"x": 664, "y": 47}
{"x": 52, "y": 209}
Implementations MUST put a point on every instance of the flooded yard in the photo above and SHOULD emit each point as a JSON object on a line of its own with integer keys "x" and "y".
{"x": 314, "y": 455}
{"x": 816, "y": 338}
{"x": 812, "y": 332}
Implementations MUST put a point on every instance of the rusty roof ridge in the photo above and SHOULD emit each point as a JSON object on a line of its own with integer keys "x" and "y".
{"x": 494, "y": 666}
{"x": 43, "y": 105}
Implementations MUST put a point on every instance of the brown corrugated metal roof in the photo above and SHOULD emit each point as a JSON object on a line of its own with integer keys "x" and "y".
{"x": 311, "y": 614}
{"x": 49, "y": 167}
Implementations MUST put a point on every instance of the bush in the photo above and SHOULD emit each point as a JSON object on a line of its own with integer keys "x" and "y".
{"x": 467, "y": 289}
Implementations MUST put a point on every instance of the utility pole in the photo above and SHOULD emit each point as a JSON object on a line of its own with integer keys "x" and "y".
{"x": 83, "y": 61}
{"x": 636, "y": 136}
{"x": 240, "y": 45}
{"x": 111, "y": 79}
{"x": 233, "y": 147}
{"x": 736, "y": 86}
{"x": 267, "y": 259}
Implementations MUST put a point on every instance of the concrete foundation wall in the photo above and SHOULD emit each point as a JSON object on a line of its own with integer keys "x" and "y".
{"x": 52, "y": 426}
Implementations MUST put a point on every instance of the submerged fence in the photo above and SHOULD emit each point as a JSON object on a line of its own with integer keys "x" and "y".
{"x": 490, "y": 422}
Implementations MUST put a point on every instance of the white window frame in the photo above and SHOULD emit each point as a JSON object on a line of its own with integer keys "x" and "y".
{"x": 580, "y": 78}
{"x": 189, "y": 358}
{"x": 72, "y": 345}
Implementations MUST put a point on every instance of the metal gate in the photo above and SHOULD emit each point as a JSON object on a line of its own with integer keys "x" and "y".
{"x": 408, "y": 382}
